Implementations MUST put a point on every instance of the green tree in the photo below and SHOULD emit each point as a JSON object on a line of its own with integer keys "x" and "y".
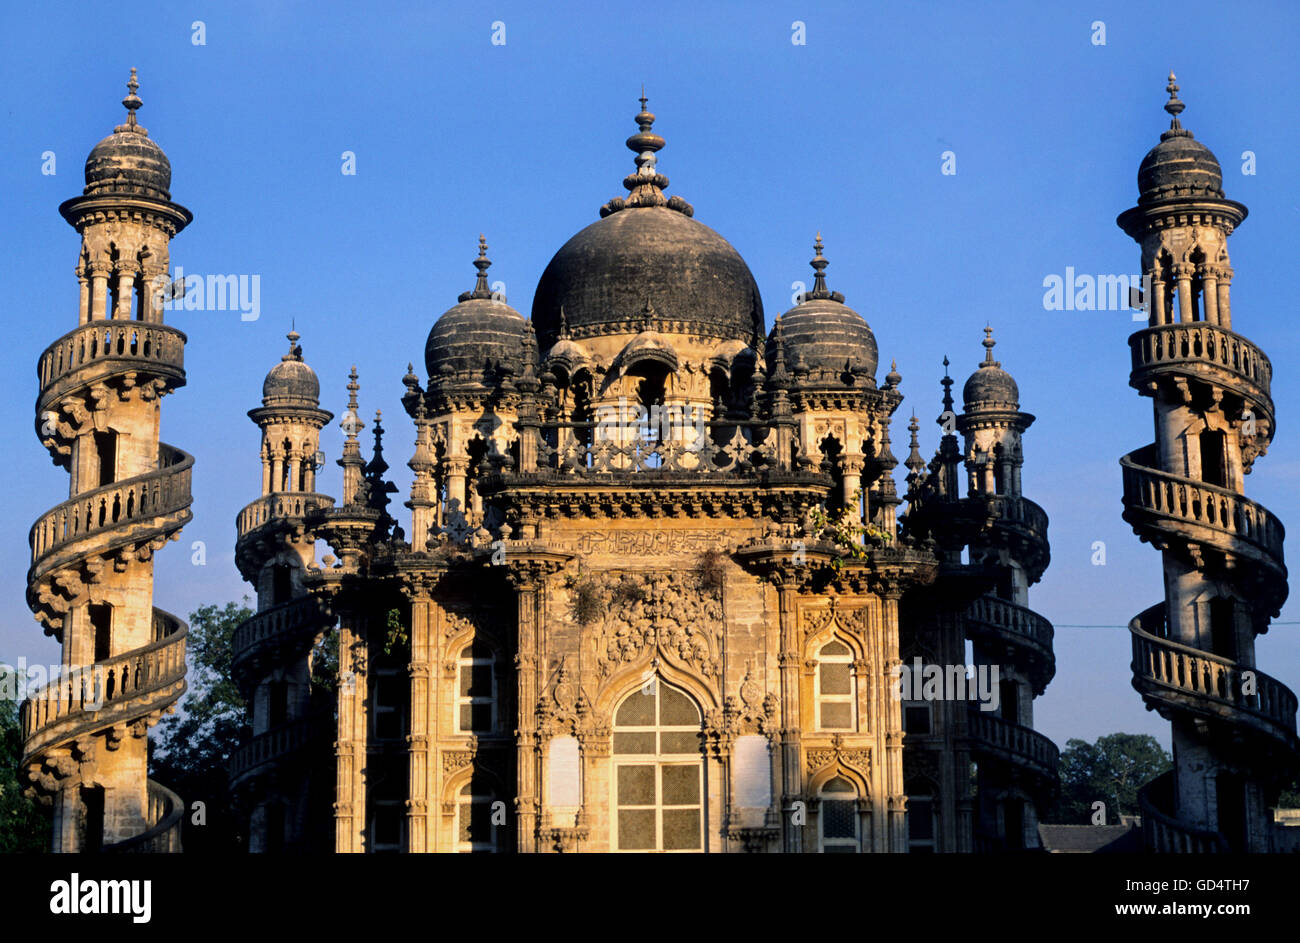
{"x": 193, "y": 745}
{"x": 1110, "y": 771}
{"x": 24, "y": 826}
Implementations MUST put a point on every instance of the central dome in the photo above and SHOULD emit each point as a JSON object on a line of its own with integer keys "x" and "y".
{"x": 647, "y": 259}
{"x": 605, "y": 276}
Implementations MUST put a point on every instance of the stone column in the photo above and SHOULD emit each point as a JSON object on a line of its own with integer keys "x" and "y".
{"x": 125, "y": 282}
{"x": 527, "y": 805}
{"x": 350, "y": 748}
{"x": 1158, "y": 314}
{"x": 83, "y": 307}
{"x": 1210, "y": 292}
{"x": 1183, "y": 272}
{"x": 852, "y": 482}
{"x": 893, "y": 725}
{"x": 295, "y": 467}
{"x": 417, "y": 804}
{"x": 277, "y": 470}
{"x": 1223, "y": 284}
{"x": 98, "y": 293}
{"x": 789, "y": 661}
{"x": 266, "y": 473}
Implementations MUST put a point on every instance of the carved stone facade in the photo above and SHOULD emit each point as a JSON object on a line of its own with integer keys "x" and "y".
{"x": 654, "y": 596}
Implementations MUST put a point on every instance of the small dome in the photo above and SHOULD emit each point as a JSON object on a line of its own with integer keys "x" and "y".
{"x": 291, "y": 382}
{"x": 824, "y": 336}
{"x": 478, "y": 336}
{"x": 649, "y": 346}
{"x": 128, "y": 160}
{"x": 1179, "y": 166}
{"x": 990, "y": 386}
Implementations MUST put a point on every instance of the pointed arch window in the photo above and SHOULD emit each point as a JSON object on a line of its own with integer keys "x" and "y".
{"x": 836, "y": 687}
{"x": 840, "y": 827}
{"x": 658, "y": 772}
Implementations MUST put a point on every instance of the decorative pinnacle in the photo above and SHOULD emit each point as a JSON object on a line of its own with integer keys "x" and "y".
{"x": 646, "y": 186}
{"x": 915, "y": 463}
{"x": 893, "y": 377}
{"x": 352, "y": 423}
{"x": 1175, "y": 108}
{"x": 819, "y": 263}
{"x": 482, "y": 263}
{"x": 989, "y": 343}
{"x": 946, "y": 382}
{"x": 295, "y": 352}
{"x": 132, "y": 100}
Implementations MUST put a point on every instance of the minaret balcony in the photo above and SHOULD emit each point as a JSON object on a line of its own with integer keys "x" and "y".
{"x": 100, "y": 349}
{"x": 1015, "y": 744}
{"x": 1162, "y": 507}
{"x": 1022, "y": 635}
{"x": 1204, "y": 352}
{"x": 1178, "y": 679}
{"x": 263, "y": 637}
{"x": 116, "y": 690}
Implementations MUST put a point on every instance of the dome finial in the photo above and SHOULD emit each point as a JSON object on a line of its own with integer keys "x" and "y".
{"x": 1173, "y": 106}
{"x": 295, "y": 352}
{"x": 132, "y": 100}
{"x": 646, "y": 186}
{"x": 946, "y": 382}
{"x": 989, "y": 343}
{"x": 482, "y": 263}
{"x": 819, "y": 263}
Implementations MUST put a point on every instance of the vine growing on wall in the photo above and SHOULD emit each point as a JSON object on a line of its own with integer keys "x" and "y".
{"x": 852, "y": 539}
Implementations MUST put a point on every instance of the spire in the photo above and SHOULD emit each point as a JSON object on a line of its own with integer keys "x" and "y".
{"x": 778, "y": 355}
{"x": 819, "y": 263}
{"x": 352, "y": 423}
{"x": 946, "y": 382}
{"x": 482, "y": 263}
{"x": 989, "y": 343}
{"x": 646, "y": 186}
{"x": 915, "y": 463}
{"x": 1175, "y": 108}
{"x": 295, "y": 351}
{"x": 132, "y": 102}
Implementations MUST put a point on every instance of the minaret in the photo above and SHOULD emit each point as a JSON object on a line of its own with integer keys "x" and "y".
{"x": 91, "y": 579}
{"x": 1234, "y": 728}
{"x": 271, "y": 651}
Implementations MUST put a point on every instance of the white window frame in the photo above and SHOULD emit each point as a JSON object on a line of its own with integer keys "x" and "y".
{"x": 851, "y": 698}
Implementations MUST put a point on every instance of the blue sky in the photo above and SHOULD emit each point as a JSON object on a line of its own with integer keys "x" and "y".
{"x": 770, "y": 141}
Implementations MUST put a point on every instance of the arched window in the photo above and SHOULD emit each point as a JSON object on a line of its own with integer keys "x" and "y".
{"x": 836, "y": 688}
{"x": 476, "y": 692}
{"x": 839, "y": 817}
{"x": 476, "y": 832}
{"x": 658, "y": 772}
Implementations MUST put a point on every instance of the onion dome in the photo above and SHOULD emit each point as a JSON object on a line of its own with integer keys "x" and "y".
{"x": 990, "y": 387}
{"x": 128, "y": 160}
{"x": 647, "y": 248}
{"x": 480, "y": 338}
{"x": 1179, "y": 166}
{"x": 291, "y": 382}
{"x": 824, "y": 337}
